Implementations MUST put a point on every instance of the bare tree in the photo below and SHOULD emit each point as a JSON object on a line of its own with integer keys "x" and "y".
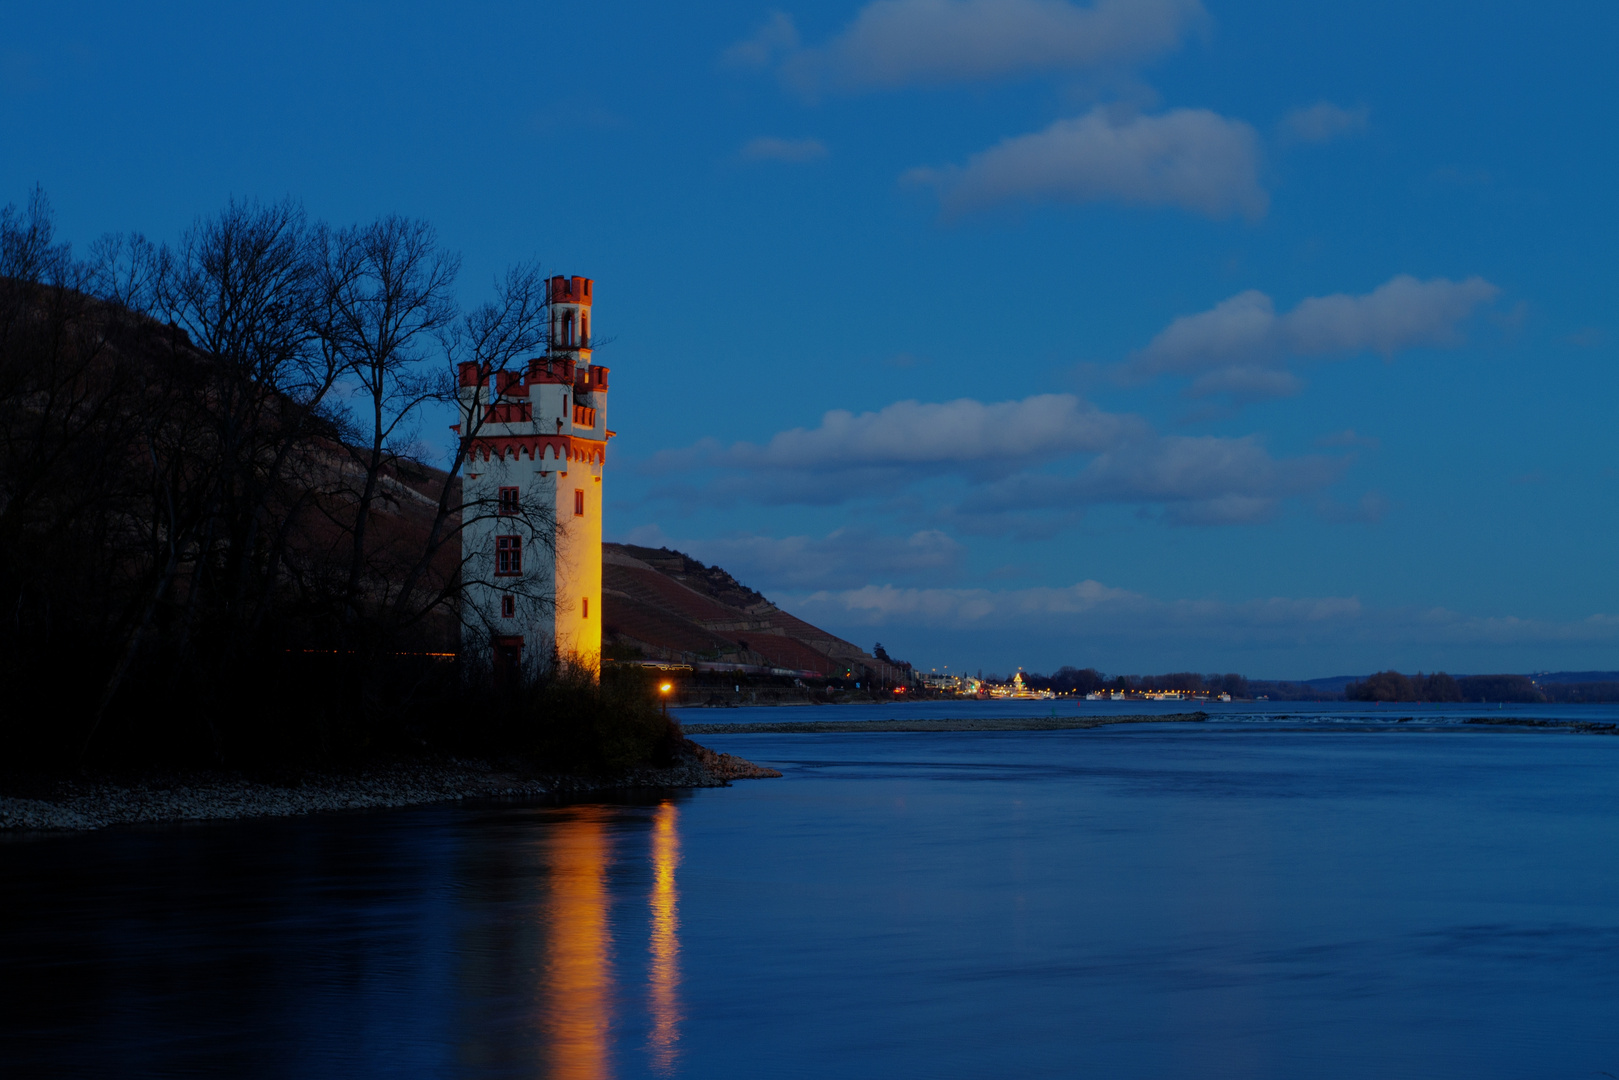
{"x": 230, "y": 410}
{"x": 495, "y": 337}
{"x": 386, "y": 300}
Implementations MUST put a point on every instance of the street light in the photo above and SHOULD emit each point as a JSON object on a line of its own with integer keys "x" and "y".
{"x": 664, "y": 690}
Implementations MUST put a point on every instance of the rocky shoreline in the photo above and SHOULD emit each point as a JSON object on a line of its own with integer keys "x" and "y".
{"x": 95, "y": 802}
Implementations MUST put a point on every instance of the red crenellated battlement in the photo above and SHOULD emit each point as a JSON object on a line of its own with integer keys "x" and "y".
{"x": 570, "y": 290}
{"x": 552, "y": 369}
{"x": 533, "y": 447}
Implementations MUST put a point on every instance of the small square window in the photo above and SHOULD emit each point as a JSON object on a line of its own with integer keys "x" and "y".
{"x": 508, "y": 607}
{"x": 508, "y": 501}
{"x": 508, "y": 555}
{"x": 578, "y": 502}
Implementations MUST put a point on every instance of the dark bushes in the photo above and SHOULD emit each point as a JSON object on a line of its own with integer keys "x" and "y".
{"x": 566, "y": 719}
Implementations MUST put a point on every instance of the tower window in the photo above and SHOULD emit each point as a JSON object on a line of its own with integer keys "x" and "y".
{"x": 578, "y": 502}
{"x": 508, "y": 555}
{"x": 508, "y": 607}
{"x": 584, "y": 607}
{"x": 508, "y": 501}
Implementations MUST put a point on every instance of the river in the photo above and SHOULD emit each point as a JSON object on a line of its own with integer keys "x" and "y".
{"x": 1274, "y": 893}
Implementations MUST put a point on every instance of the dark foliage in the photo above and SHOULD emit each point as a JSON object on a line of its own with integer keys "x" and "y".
{"x": 565, "y": 718}
{"x": 1440, "y": 687}
{"x": 207, "y": 556}
{"x": 1580, "y": 693}
{"x": 1507, "y": 688}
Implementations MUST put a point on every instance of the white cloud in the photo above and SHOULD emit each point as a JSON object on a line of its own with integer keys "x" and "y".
{"x": 1245, "y": 383}
{"x": 1190, "y": 158}
{"x": 1203, "y": 480}
{"x": 1104, "y": 606}
{"x": 962, "y": 432}
{"x": 1240, "y": 347}
{"x": 1323, "y": 122}
{"x": 766, "y": 148}
{"x": 843, "y": 558}
{"x": 894, "y": 43}
{"x": 776, "y": 37}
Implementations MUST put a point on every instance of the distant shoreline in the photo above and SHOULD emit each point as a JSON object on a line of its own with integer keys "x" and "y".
{"x": 1070, "y": 723}
{"x": 985, "y": 723}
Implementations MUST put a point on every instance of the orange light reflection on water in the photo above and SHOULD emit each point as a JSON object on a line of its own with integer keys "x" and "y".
{"x": 664, "y": 976}
{"x": 578, "y": 976}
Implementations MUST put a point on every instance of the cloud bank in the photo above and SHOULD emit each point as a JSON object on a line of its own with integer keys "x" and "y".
{"x": 1240, "y": 348}
{"x": 1091, "y": 608}
{"x": 1039, "y": 459}
{"x": 1188, "y": 158}
{"x": 895, "y": 43}
{"x": 960, "y": 431}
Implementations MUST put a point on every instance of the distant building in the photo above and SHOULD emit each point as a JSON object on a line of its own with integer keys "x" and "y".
{"x": 531, "y": 540}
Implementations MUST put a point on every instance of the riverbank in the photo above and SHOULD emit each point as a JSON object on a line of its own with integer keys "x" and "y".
{"x": 965, "y": 723}
{"x": 87, "y": 802}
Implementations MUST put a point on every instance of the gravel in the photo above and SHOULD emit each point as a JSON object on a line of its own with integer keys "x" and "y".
{"x": 96, "y": 802}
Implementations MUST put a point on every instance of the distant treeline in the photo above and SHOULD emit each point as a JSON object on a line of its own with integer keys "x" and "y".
{"x": 1383, "y": 686}
{"x": 1440, "y": 687}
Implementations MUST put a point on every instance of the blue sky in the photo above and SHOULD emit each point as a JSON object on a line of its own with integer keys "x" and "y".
{"x": 1148, "y": 335}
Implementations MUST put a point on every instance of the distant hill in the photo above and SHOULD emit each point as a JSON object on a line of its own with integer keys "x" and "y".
{"x": 659, "y": 604}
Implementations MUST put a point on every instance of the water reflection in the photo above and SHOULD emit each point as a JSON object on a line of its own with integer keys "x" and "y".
{"x": 664, "y": 977}
{"x": 577, "y": 981}
{"x": 585, "y": 991}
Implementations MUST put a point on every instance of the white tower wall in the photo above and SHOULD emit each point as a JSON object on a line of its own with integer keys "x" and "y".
{"x": 539, "y": 435}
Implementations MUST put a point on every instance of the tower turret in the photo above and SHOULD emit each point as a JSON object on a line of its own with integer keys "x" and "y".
{"x": 570, "y": 316}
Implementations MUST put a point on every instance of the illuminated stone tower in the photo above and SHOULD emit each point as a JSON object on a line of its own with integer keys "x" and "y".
{"x": 539, "y": 445}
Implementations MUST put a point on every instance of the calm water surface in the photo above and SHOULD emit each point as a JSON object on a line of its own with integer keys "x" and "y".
{"x": 1240, "y": 899}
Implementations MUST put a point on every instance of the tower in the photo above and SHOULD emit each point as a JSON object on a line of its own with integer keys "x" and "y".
{"x": 532, "y": 528}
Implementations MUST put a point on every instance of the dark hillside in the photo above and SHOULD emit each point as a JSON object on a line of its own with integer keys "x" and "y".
{"x": 663, "y": 605}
